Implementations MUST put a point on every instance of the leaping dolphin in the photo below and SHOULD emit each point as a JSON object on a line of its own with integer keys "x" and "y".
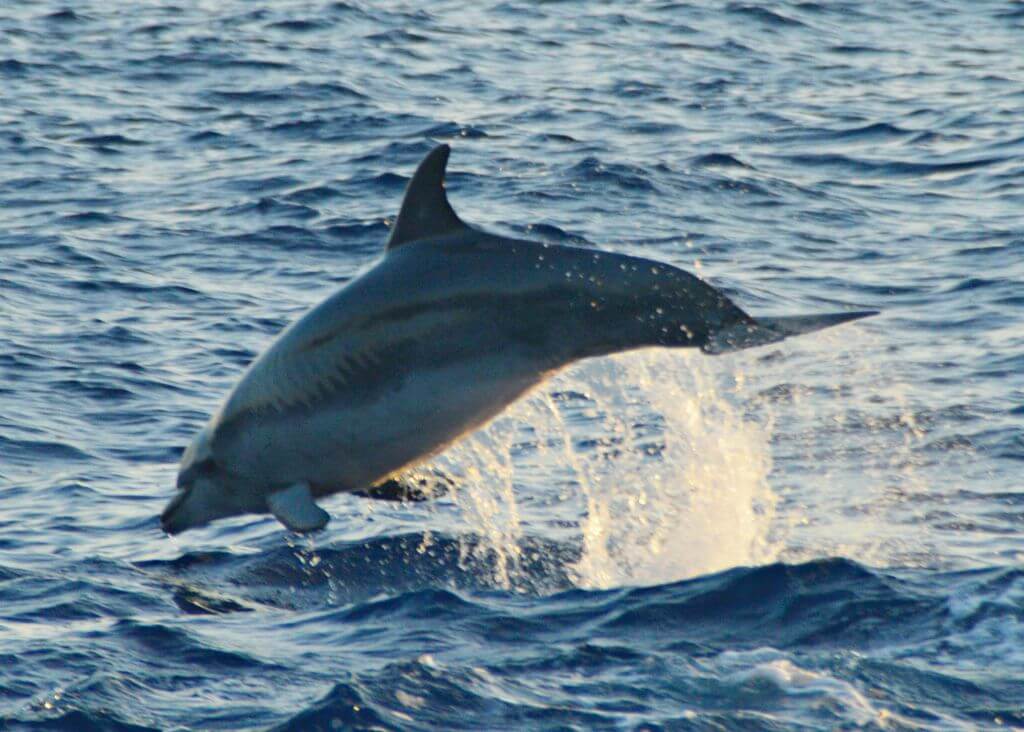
{"x": 451, "y": 326}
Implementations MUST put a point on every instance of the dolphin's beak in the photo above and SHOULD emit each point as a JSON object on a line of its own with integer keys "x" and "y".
{"x": 170, "y": 521}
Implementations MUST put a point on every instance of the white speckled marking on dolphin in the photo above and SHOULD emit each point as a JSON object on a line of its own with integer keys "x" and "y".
{"x": 449, "y": 328}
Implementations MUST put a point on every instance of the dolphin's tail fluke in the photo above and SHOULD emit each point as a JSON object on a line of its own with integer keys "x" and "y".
{"x": 762, "y": 331}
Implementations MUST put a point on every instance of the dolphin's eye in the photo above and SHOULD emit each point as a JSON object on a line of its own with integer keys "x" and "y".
{"x": 195, "y": 470}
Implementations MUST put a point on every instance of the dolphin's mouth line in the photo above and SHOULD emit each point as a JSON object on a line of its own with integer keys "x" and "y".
{"x": 167, "y": 517}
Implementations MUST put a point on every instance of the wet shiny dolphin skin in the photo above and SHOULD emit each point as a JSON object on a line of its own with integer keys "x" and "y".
{"x": 451, "y": 326}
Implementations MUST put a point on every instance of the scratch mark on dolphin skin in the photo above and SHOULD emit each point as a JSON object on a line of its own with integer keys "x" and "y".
{"x": 316, "y": 381}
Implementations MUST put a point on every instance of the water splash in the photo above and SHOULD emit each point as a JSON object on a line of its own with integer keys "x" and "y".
{"x": 483, "y": 470}
{"x": 659, "y": 475}
{"x": 689, "y": 492}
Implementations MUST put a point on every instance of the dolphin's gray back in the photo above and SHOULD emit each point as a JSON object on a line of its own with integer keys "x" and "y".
{"x": 569, "y": 302}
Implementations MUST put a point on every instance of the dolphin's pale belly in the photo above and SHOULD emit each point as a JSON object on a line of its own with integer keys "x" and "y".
{"x": 357, "y": 436}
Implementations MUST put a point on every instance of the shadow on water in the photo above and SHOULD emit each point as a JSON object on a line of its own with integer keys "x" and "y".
{"x": 300, "y": 576}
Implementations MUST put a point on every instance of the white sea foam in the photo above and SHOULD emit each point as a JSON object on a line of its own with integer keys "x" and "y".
{"x": 768, "y": 671}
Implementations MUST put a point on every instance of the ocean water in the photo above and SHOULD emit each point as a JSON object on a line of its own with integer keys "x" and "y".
{"x": 825, "y": 533}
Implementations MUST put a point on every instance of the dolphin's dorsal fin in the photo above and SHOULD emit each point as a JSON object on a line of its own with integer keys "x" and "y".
{"x": 425, "y": 211}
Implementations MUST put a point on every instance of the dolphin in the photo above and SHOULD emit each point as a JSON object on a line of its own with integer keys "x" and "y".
{"x": 447, "y": 329}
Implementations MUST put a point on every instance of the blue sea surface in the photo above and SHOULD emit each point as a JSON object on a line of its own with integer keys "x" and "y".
{"x": 819, "y": 534}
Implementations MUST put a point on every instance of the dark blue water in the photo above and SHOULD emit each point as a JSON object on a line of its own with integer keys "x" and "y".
{"x": 821, "y": 534}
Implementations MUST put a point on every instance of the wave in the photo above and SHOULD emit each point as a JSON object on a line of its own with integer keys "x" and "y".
{"x": 457, "y": 650}
{"x": 898, "y": 168}
{"x": 759, "y": 636}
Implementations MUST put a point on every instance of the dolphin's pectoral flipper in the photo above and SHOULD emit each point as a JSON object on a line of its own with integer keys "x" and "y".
{"x": 294, "y": 507}
{"x": 413, "y": 487}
